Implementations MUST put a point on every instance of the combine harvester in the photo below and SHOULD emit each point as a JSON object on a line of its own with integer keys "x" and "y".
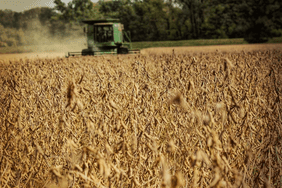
{"x": 105, "y": 37}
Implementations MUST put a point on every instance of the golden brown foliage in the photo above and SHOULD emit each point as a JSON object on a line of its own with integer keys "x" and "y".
{"x": 202, "y": 120}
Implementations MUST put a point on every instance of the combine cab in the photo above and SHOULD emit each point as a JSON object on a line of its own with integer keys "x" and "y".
{"x": 105, "y": 37}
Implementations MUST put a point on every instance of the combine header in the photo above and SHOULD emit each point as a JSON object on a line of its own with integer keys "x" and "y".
{"x": 105, "y": 37}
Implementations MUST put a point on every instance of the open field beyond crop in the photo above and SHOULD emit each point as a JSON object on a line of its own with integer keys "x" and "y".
{"x": 199, "y": 42}
{"x": 147, "y": 51}
{"x": 158, "y": 119}
{"x": 80, "y": 43}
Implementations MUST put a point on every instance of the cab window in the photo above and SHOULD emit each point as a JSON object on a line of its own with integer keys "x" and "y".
{"x": 104, "y": 33}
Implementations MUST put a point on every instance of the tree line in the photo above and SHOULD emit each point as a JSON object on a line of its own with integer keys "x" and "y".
{"x": 149, "y": 20}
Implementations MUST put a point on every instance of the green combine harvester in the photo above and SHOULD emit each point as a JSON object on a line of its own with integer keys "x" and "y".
{"x": 105, "y": 37}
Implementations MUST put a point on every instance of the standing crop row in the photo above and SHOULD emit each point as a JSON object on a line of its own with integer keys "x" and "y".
{"x": 201, "y": 120}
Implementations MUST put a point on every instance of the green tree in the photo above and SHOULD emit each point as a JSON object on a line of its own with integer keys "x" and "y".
{"x": 46, "y": 15}
{"x": 6, "y": 18}
{"x": 11, "y": 36}
{"x": 193, "y": 12}
{"x": 112, "y": 9}
{"x": 174, "y": 21}
{"x": 221, "y": 21}
{"x": 68, "y": 20}
{"x": 76, "y": 10}
{"x": 254, "y": 20}
{"x": 262, "y": 18}
{"x": 146, "y": 20}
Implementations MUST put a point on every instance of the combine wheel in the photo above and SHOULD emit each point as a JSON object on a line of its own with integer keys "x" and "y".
{"x": 122, "y": 50}
{"x": 86, "y": 52}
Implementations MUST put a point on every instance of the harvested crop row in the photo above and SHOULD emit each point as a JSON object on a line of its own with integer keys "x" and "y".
{"x": 210, "y": 120}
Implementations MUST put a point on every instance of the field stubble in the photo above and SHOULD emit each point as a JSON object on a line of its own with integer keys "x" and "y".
{"x": 156, "y": 120}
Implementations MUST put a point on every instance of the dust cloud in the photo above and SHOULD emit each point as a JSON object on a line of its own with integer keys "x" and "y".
{"x": 38, "y": 39}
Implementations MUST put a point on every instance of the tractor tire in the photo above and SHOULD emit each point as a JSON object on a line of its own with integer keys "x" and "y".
{"x": 122, "y": 50}
{"x": 86, "y": 52}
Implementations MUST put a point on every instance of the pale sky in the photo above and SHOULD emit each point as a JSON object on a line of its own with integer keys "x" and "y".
{"x": 22, "y": 5}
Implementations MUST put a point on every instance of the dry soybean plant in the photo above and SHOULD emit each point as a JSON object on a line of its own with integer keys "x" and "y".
{"x": 170, "y": 120}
